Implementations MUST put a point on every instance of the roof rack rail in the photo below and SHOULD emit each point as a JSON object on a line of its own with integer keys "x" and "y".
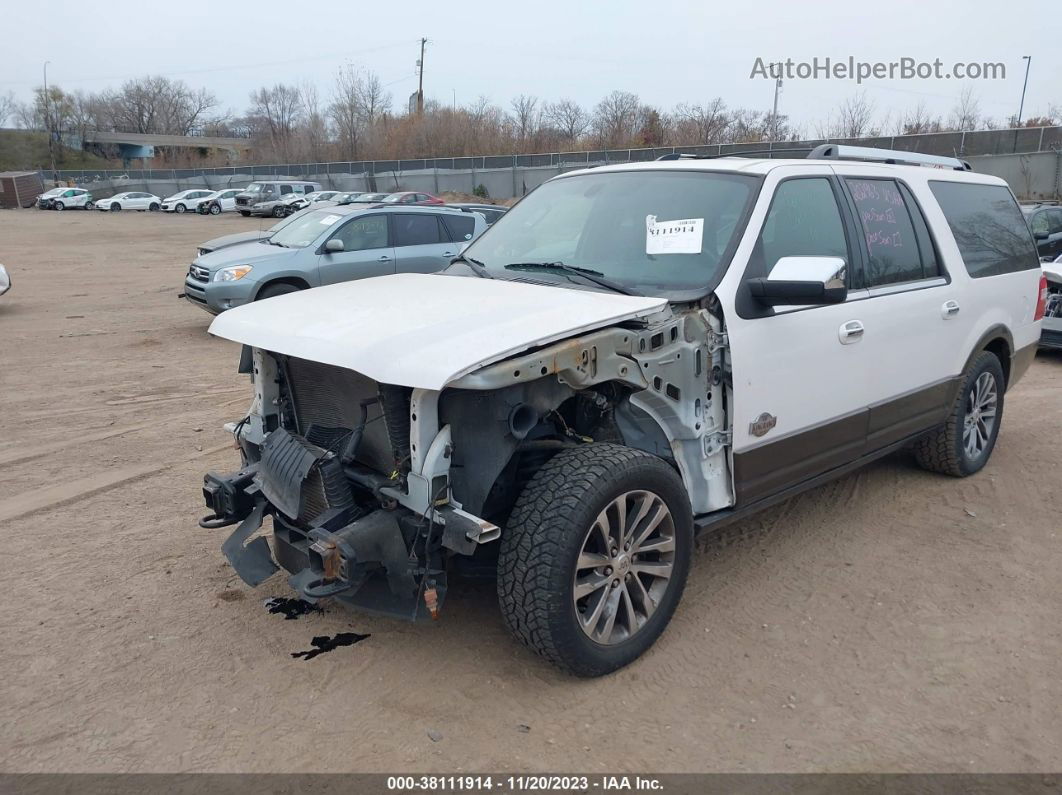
{"x": 891, "y": 156}
{"x": 742, "y": 153}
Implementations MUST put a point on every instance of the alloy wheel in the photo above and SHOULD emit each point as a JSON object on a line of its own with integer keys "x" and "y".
{"x": 980, "y": 419}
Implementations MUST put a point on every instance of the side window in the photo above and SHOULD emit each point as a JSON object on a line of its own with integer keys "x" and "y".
{"x": 268, "y": 190}
{"x": 989, "y": 229}
{"x": 889, "y": 231}
{"x": 416, "y": 229}
{"x": 285, "y": 189}
{"x": 364, "y": 233}
{"x": 1039, "y": 224}
{"x": 461, "y": 227}
{"x": 803, "y": 221}
{"x": 1054, "y": 221}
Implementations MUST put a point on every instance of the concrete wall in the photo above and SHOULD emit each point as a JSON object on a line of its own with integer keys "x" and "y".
{"x": 1033, "y": 176}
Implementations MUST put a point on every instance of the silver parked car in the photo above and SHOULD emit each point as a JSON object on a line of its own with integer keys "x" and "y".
{"x": 329, "y": 245}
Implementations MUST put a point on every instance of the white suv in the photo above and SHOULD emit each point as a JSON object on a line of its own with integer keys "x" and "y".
{"x": 630, "y": 355}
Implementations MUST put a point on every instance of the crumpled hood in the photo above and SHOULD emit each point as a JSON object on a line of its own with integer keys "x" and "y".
{"x": 423, "y": 330}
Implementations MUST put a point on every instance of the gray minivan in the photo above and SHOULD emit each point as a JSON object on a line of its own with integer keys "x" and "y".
{"x": 263, "y": 198}
{"x": 333, "y": 244}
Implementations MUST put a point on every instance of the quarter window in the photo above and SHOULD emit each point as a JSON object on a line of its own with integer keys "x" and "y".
{"x": 803, "y": 221}
{"x": 285, "y": 189}
{"x": 460, "y": 227}
{"x": 988, "y": 227}
{"x": 891, "y": 238}
{"x": 416, "y": 229}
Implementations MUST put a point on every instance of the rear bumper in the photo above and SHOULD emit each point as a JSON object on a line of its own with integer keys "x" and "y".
{"x": 1051, "y": 335}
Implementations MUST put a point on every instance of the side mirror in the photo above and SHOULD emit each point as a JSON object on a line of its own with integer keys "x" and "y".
{"x": 334, "y": 246}
{"x": 802, "y": 281}
{"x": 1041, "y": 235}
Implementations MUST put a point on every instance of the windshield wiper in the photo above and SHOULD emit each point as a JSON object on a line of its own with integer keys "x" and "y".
{"x": 475, "y": 265}
{"x": 571, "y": 270}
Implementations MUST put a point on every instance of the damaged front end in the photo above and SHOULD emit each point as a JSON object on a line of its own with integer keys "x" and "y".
{"x": 359, "y": 494}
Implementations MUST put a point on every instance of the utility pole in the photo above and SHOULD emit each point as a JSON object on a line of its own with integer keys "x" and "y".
{"x": 420, "y": 79}
{"x": 48, "y": 120}
{"x": 774, "y": 112}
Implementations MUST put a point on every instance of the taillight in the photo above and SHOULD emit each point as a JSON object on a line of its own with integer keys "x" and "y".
{"x": 1041, "y": 300}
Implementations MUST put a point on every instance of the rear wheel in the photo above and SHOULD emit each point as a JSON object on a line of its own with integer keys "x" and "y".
{"x": 595, "y": 557}
{"x": 965, "y": 443}
{"x": 273, "y": 290}
{"x": 279, "y": 211}
{"x": 179, "y": 209}
{"x": 90, "y": 206}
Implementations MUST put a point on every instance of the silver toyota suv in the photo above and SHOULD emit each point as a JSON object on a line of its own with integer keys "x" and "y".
{"x": 629, "y": 355}
{"x": 330, "y": 245}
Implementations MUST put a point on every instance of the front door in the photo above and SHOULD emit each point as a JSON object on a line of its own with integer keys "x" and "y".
{"x": 367, "y": 251}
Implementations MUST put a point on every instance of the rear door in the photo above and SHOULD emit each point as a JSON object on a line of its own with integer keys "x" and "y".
{"x": 421, "y": 243}
{"x": 367, "y": 251}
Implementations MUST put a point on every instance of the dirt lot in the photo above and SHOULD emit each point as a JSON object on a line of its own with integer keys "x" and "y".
{"x": 892, "y": 621}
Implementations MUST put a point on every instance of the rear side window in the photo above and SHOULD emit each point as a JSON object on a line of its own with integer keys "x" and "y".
{"x": 460, "y": 227}
{"x": 285, "y": 189}
{"x": 988, "y": 227}
{"x": 416, "y": 230}
{"x": 1054, "y": 221}
{"x": 896, "y": 235}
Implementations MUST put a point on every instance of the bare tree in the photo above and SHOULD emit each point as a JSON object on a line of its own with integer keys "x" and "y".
{"x": 525, "y": 118}
{"x": 276, "y": 112}
{"x": 568, "y": 118}
{"x": 855, "y": 119}
{"x": 8, "y": 104}
{"x": 702, "y": 124}
{"x": 315, "y": 126}
{"x": 374, "y": 100}
{"x": 917, "y": 120}
{"x": 156, "y": 105}
{"x": 966, "y": 114}
{"x": 347, "y": 112}
{"x": 615, "y": 118}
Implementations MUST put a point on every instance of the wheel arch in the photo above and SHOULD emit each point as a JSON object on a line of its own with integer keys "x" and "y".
{"x": 294, "y": 281}
{"x": 999, "y": 341}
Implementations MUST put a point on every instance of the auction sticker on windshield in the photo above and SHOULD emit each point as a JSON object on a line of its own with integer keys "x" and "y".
{"x": 673, "y": 237}
{"x": 328, "y": 220}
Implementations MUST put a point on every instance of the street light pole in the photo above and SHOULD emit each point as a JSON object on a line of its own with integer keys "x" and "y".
{"x": 1021, "y": 107}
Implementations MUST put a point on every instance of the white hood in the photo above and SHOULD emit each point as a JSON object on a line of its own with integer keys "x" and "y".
{"x": 1053, "y": 270}
{"x": 423, "y": 330}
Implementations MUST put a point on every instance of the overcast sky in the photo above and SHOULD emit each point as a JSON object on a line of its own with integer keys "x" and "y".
{"x": 667, "y": 52}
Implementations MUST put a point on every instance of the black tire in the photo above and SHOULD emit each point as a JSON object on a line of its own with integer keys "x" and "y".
{"x": 215, "y": 209}
{"x": 279, "y": 211}
{"x": 272, "y": 290}
{"x": 180, "y": 209}
{"x": 59, "y": 206}
{"x": 547, "y": 532}
{"x": 153, "y": 207}
{"x": 116, "y": 207}
{"x": 944, "y": 449}
{"x": 90, "y": 205}
{"x": 244, "y": 213}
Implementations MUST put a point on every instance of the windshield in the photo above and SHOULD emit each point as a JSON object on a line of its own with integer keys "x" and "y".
{"x": 654, "y": 232}
{"x": 254, "y": 187}
{"x": 304, "y": 229}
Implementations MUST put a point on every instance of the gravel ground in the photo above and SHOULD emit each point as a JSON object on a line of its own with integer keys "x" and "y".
{"x": 893, "y": 620}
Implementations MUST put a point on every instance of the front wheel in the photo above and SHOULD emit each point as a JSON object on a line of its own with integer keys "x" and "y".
{"x": 153, "y": 207}
{"x": 116, "y": 207}
{"x": 279, "y": 212}
{"x": 272, "y": 290}
{"x": 179, "y": 209}
{"x": 90, "y": 206}
{"x": 59, "y": 206}
{"x": 965, "y": 442}
{"x": 244, "y": 213}
{"x": 595, "y": 556}
{"x": 215, "y": 209}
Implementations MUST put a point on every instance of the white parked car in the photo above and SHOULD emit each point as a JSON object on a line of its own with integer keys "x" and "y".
{"x": 5, "y": 280}
{"x": 218, "y": 202}
{"x": 630, "y": 355}
{"x": 65, "y": 199}
{"x": 131, "y": 200}
{"x": 184, "y": 201}
{"x": 1052, "y": 331}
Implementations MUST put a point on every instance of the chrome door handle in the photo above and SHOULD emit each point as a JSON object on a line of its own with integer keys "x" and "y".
{"x": 384, "y": 258}
{"x": 850, "y": 332}
{"x": 950, "y": 309}
{"x": 448, "y": 253}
